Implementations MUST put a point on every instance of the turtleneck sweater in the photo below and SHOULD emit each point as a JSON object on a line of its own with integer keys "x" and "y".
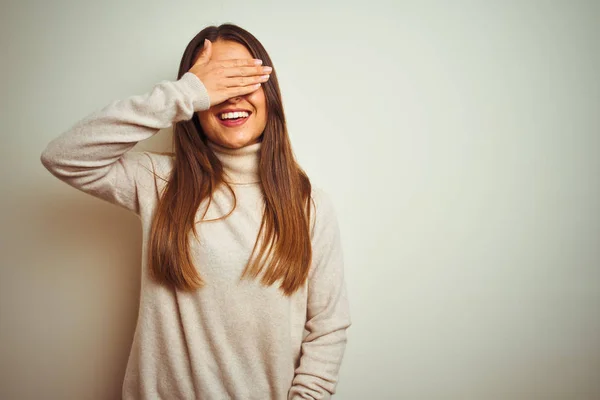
{"x": 232, "y": 338}
{"x": 239, "y": 165}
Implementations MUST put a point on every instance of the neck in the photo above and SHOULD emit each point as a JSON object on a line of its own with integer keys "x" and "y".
{"x": 239, "y": 165}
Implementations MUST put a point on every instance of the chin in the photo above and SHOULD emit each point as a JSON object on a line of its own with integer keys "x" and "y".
{"x": 234, "y": 145}
{"x": 238, "y": 142}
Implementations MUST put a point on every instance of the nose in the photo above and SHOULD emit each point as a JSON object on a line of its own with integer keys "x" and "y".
{"x": 236, "y": 98}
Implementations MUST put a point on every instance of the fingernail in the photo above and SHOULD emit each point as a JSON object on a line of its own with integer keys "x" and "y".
{"x": 258, "y": 62}
{"x": 268, "y": 69}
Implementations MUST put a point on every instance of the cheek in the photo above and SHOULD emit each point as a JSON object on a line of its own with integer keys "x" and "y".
{"x": 205, "y": 118}
{"x": 203, "y": 115}
{"x": 206, "y": 123}
{"x": 259, "y": 101}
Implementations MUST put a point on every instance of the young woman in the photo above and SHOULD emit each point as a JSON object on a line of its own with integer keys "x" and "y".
{"x": 243, "y": 293}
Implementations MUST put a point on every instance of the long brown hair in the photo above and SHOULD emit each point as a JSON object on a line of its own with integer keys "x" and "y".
{"x": 282, "y": 251}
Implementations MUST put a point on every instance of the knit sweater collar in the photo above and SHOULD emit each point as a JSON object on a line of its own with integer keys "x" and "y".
{"x": 240, "y": 165}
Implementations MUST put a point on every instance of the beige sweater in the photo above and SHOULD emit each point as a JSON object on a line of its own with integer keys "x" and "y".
{"x": 231, "y": 339}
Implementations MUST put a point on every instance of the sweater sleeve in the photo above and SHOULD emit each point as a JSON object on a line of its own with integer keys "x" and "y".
{"x": 328, "y": 314}
{"x": 93, "y": 155}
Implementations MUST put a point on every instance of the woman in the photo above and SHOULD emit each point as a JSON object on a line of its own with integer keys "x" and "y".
{"x": 242, "y": 292}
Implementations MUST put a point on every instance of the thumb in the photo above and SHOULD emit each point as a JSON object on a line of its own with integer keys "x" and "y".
{"x": 206, "y": 51}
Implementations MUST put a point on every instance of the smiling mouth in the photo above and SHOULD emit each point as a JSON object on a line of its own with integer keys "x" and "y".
{"x": 235, "y": 120}
{"x": 233, "y": 115}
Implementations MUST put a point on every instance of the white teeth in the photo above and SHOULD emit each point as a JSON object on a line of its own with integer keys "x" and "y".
{"x": 237, "y": 114}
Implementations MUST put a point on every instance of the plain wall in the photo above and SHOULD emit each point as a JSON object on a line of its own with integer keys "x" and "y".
{"x": 458, "y": 140}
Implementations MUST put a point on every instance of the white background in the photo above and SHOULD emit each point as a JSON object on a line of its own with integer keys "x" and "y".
{"x": 458, "y": 140}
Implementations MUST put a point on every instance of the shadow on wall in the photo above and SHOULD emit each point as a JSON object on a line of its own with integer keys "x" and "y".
{"x": 73, "y": 263}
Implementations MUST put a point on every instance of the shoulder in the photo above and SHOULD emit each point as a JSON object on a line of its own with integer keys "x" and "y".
{"x": 323, "y": 214}
{"x": 161, "y": 163}
{"x": 321, "y": 200}
{"x": 153, "y": 168}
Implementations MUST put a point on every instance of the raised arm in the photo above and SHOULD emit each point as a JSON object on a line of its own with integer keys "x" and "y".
{"x": 93, "y": 155}
{"x": 328, "y": 314}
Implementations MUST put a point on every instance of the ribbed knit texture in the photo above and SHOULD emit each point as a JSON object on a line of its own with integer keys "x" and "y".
{"x": 231, "y": 339}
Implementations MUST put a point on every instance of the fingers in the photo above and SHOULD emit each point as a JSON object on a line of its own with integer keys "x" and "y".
{"x": 225, "y": 79}
{"x": 240, "y": 62}
{"x": 242, "y": 90}
{"x": 244, "y": 76}
{"x": 246, "y": 71}
{"x": 245, "y": 80}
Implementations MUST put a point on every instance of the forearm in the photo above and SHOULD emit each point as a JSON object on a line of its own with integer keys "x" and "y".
{"x": 86, "y": 151}
{"x": 92, "y": 154}
{"x": 318, "y": 373}
{"x": 328, "y": 311}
